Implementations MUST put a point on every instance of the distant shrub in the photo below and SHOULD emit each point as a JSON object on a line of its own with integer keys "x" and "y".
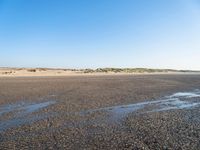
{"x": 70, "y": 70}
{"x": 88, "y": 71}
{"x": 101, "y": 70}
{"x": 42, "y": 69}
{"x": 7, "y": 72}
{"x": 105, "y": 70}
{"x": 31, "y": 70}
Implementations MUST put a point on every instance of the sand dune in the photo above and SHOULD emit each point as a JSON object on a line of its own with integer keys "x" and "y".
{"x": 17, "y": 72}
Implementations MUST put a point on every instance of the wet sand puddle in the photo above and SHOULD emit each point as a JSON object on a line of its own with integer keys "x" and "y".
{"x": 176, "y": 101}
{"x": 21, "y": 113}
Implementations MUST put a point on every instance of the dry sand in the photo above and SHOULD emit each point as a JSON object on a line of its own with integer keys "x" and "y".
{"x": 17, "y": 72}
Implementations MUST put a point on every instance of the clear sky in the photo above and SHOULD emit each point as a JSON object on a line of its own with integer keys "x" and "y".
{"x": 100, "y": 33}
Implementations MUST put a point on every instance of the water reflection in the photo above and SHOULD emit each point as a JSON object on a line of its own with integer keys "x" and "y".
{"x": 180, "y": 100}
{"x": 21, "y": 113}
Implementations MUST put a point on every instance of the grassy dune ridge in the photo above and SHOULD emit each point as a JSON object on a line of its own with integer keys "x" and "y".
{"x": 132, "y": 70}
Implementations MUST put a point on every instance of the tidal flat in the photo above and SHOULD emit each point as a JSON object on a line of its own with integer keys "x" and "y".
{"x": 100, "y": 112}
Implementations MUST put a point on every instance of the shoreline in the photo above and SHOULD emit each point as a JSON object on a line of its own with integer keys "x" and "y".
{"x": 94, "y": 74}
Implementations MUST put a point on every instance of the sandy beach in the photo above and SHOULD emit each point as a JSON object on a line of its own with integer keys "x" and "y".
{"x": 100, "y": 112}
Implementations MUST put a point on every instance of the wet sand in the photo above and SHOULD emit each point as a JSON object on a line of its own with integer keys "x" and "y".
{"x": 100, "y": 112}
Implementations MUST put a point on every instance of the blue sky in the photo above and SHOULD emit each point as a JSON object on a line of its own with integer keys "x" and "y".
{"x": 100, "y": 33}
